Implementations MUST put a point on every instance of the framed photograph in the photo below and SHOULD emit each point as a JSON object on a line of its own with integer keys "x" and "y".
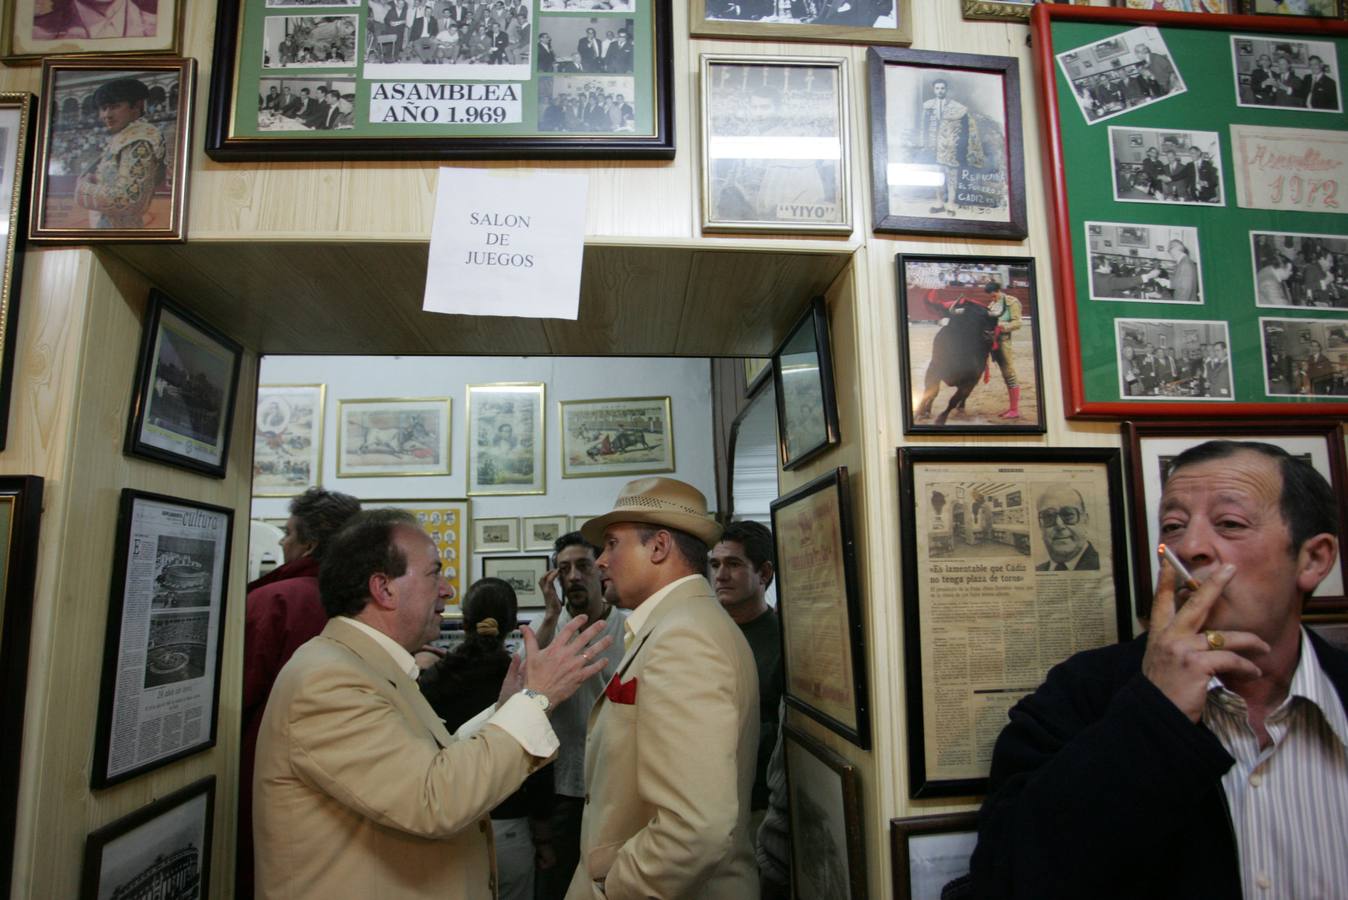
{"x": 931, "y": 853}
{"x": 816, "y": 21}
{"x": 168, "y": 841}
{"x": 506, "y": 439}
{"x": 161, "y": 655}
{"x": 1139, "y": 73}
{"x": 1005, "y": 10}
{"x": 393, "y": 79}
{"x": 541, "y": 532}
{"x": 1333, "y": 629}
{"x": 802, "y": 373}
{"x": 112, "y": 149}
{"x": 20, "y": 516}
{"x": 1016, "y": 560}
{"x": 1281, "y": 73}
{"x": 819, "y": 602}
{"x": 1190, "y": 6}
{"x": 1150, "y": 447}
{"x": 946, "y": 151}
{"x": 496, "y": 535}
{"x": 962, "y": 317}
{"x": 1238, "y": 236}
{"x": 16, "y": 140}
{"x": 393, "y": 437}
{"x": 446, "y": 521}
{"x": 619, "y": 436}
{"x": 288, "y": 442}
{"x": 523, "y": 574}
{"x": 774, "y": 151}
{"x": 37, "y": 28}
{"x": 577, "y": 522}
{"x": 828, "y": 847}
{"x": 187, "y": 380}
{"x": 1329, "y": 9}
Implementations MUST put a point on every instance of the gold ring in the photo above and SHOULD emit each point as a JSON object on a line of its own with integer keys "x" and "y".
{"x": 586, "y": 656}
{"x": 1215, "y": 640}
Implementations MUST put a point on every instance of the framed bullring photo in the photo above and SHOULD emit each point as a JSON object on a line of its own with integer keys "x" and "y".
{"x": 164, "y": 847}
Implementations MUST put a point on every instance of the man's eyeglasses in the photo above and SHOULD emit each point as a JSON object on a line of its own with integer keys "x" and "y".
{"x": 1070, "y": 515}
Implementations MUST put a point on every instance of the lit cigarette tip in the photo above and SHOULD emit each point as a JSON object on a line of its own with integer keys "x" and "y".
{"x": 1169, "y": 556}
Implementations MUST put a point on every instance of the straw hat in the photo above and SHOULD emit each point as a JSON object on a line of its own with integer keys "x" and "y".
{"x": 658, "y": 501}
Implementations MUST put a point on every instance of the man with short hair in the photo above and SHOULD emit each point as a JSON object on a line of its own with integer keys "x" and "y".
{"x": 1209, "y": 757}
{"x": 1184, "y": 277}
{"x": 591, "y": 57}
{"x": 1156, "y": 69}
{"x": 118, "y": 187}
{"x": 1318, "y": 87}
{"x": 1063, "y": 525}
{"x": 97, "y": 19}
{"x": 669, "y": 761}
{"x": 1006, "y": 307}
{"x": 360, "y": 791}
{"x": 950, "y": 139}
{"x": 1270, "y": 282}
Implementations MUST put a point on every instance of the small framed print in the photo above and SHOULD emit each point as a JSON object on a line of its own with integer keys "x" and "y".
{"x": 828, "y": 847}
{"x": 167, "y": 842}
{"x": 446, "y": 521}
{"x": 578, "y": 522}
{"x": 541, "y": 532}
{"x": 113, "y": 141}
{"x": 618, "y": 436}
{"x": 16, "y": 144}
{"x": 1190, "y": 6}
{"x": 931, "y": 854}
{"x": 288, "y": 440}
{"x": 1007, "y": 10}
{"x": 1323, "y": 9}
{"x": 523, "y": 574}
{"x": 393, "y": 437}
{"x": 872, "y": 22}
{"x": 506, "y": 439}
{"x": 500, "y": 534}
{"x": 946, "y": 151}
{"x": 187, "y": 380}
{"x": 774, "y": 151}
{"x": 802, "y": 371}
{"x": 67, "y": 28}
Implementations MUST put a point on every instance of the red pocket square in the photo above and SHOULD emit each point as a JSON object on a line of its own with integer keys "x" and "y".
{"x": 621, "y": 691}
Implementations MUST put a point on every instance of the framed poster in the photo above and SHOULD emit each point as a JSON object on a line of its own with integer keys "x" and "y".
{"x": 816, "y": 21}
{"x": 1022, "y": 551}
{"x": 393, "y": 437}
{"x": 506, "y": 439}
{"x": 802, "y": 373}
{"x": 288, "y": 442}
{"x": 541, "y": 532}
{"x": 1331, "y": 9}
{"x": 1190, "y": 6}
{"x": 1149, "y": 448}
{"x": 496, "y": 534}
{"x": 828, "y": 847}
{"x": 946, "y": 151}
{"x": 165, "y": 843}
{"x": 619, "y": 436}
{"x": 161, "y": 655}
{"x": 446, "y": 521}
{"x": 962, "y": 317}
{"x": 37, "y": 28}
{"x": 774, "y": 152}
{"x": 187, "y": 381}
{"x": 112, "y": 148}
{"x": 1008, "y": 10}
{"x": 930, "y": 854}
{"x": 819, "y": 602}
{"x": 16, "y": 144}
{"x": 391, "y": 79}
{"x": 1178, "y": 238}
{"x": 523, "y": 574}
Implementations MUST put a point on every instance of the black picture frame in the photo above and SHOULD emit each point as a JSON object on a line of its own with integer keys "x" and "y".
{"x": 812, "y": 526}
{"x": 16, "y": 108}
{"x": 187, "y": 646}
{"x": 526, "y": 588}
{"x": 910, "y": 860}
{"x": 167, "y": 438}
{"x": 983, "y": 178}
{"x": 153, "y": 840}
{"x": 988, "y": 473}
{"x": 21, "y": 505}
{"x": 959, "y": 339}
{"x": 812, "y": 403}
{"x": 815, "y": 835}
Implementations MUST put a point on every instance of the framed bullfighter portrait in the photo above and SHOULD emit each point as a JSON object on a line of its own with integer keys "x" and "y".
{"x": 965, "y": 320}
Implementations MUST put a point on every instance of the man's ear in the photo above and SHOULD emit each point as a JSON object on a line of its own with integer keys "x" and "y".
{"x": 380, "y": 587}
{"x": 765, "y": 574}
{"x": 1315, "y": 560}
{"x": 661, "y": 546}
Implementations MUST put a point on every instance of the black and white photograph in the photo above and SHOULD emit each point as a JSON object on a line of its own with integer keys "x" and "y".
{"x": 496, "y": 535}
{"x": 282, "y": 4}
{"x": 522, "y": 573}
{"x": 580, "y": 6}
{"x": 184, "y": 571}
{"x": 1285, "y": 73}
{"x": 427, "y": 39}
{"x": 1144, "y": 263}
{"x": 931, "y": 854}
{"x": 1157, "y": 165}
{"x": 587, "y": 104}
{"x": 309, "y": 42}
{"x": 1314, "y": 8}
{"x": 1164, "y": 359}
{"x": 774, "y": 148}
{"x": 1300, "y": 270}
{"x": 162, "y": 850}
{"x": 857, "y": 13}
{"x": 593, "y": 45}
{"x": 827, "y": 854}
{"x": 1121, "y": 73}
{"x": 1304, "y": 357}
{"x": 306, "y": 104}
{"x": 176, "y": 649}
{"x": 976, "y": 520}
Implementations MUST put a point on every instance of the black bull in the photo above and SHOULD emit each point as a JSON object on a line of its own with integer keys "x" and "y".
{"x": 959, "y": 355}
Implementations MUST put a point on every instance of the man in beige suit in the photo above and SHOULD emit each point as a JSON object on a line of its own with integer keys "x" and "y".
{"x": 359, "y": 790}
{"x": 669, "y": 760}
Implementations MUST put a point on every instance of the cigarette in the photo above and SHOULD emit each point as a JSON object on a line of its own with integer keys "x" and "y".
{"x": 1169, "y": 556}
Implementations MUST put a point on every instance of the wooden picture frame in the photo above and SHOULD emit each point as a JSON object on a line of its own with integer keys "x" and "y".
{"x": 1224, "y": 344}
{"x": 288, "y": 439}
{"x": 523, "y": 574}
{"x": 72, "y": 186}
{"x": 186, "y": 387}
{"x": 399, "y": 96}
{"x": 819, "y": 604}
{"x": 828, "y": 846}
{"x": 496, "y": 534}
{"x": 151, "y": 26}
{"x": 1332, "y": 9}
{"x": 1148, "y": 446}
{"x": 935, "y": 357}
{"x": 973, "y": 548}
{"x": 1209, "y": 7}
{"x": 393, "y": 437}
{"x": 1005, "y": 10}
{"x": 16, "y": 148}
{"x": 447, "y": 522}
{"x": 802, "y": 374}
{"x": 938, "y": 162}
{"x": 506, "y": 437}
{"x": 542, "y": 532}
{"x": 929, "y": 853}
{"x": 718, "y": 19}
{"x": 170, "y": 583}
{"x": 616, "y": 436}
{"x": 167, "y": 841}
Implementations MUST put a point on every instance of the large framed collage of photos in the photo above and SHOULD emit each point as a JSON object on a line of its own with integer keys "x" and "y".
{"x": 1200, "y": 255}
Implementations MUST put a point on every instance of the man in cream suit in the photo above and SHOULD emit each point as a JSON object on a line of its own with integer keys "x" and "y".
{"x": 359, "y": 790}
{"x": 669, "y": 760}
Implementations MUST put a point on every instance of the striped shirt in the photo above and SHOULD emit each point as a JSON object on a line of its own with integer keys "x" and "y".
{"x": 1288, "y": 801}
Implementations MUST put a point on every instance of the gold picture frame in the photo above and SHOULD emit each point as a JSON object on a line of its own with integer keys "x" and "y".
{"x": 822, "y": 23}
{"x": 496, "y": 534}
{"x": 616, "y": 436}
{"x": 1008, "y": 10}
{"x": 393, "y": 437}
{"x": 280, "y": 435}
{"x": 542, "y": 532}
{"x": 16, "y": 144}
{"x": 62, "y": 32}
{"x": 506, "y": 437}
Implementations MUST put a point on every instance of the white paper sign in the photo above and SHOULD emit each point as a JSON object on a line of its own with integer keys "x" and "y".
{"x": 507, "y": 242}
{"x": 1301, "y": 169}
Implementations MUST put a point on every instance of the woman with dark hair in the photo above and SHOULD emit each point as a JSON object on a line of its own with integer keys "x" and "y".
{"x": 461, "y": 685}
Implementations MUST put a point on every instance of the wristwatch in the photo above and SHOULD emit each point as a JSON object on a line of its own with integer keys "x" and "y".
{"x": 539, "y": 698}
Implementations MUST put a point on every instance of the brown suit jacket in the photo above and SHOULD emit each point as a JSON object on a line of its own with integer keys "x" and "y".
{"x": 361, "y": 792}
{"x": 668, "y": 776}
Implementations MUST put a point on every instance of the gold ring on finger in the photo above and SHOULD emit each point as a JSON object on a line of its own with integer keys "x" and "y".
{"x": 1215, "y": 640}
